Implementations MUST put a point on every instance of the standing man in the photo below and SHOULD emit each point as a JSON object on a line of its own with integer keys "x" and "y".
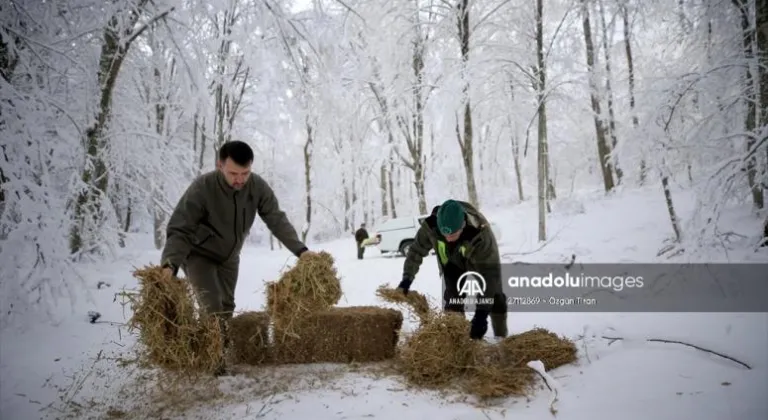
{"x": 463, "y": 241}
{"x": 208, "y": 227}
{"x": 360, "y": 236}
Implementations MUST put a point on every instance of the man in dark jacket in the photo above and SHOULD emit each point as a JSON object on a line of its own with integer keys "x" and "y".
{"x": 208, "y": 227}
{"x": 463, "y": 241}
{"x": 360, "y": 236}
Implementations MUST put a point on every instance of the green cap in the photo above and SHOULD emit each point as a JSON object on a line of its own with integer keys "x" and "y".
{"x": 450, "y": 217}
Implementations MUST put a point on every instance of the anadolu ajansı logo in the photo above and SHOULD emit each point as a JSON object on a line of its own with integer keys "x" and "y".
{"x": 471, "y": 285}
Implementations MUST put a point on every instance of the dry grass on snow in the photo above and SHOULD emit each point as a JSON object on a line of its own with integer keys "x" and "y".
{"x": 301, "y": 325}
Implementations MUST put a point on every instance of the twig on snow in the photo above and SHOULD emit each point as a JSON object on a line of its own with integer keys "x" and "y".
{"x": 660, "y": 340}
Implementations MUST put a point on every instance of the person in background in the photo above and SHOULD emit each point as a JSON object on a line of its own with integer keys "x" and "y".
{"x": 360, "y": 236}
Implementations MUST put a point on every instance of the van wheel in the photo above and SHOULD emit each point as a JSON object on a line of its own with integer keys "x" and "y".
{"x": 405, "y": 246}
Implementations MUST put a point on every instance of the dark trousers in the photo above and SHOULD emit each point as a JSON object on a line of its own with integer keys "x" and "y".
{"x": 360, "y": 250}
{"x": 214, "y": 285}
{"x": 498, "y": 311}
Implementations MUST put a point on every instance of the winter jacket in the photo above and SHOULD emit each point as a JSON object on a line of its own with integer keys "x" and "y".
{"x": 212, "y": 219}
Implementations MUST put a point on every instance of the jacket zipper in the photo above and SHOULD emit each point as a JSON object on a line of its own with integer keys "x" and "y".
{"x": 234, "y": 245}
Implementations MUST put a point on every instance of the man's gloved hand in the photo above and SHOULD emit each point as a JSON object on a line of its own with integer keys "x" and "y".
{"x": 479, "y": 325}
{"x": 169, "y": 270}
{"x": 405, "y": 284}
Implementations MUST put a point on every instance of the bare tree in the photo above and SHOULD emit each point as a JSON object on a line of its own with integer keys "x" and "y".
{"x": 465, "y": 138}
{"x": 761, "y": 23}
{"x": 631, "y": 78}
{"x": 156, "y": 93}
{"x": 542, "y": 150}
{"x": 515, "y": 143}
{"x": 8, "y": 62}
{"x": 751, "y": 99}
{"x": 603, "y": 149}
{"x": 609, "y": 91}
{"x": 405, "y": 116}
{"x": 118, "y": 35}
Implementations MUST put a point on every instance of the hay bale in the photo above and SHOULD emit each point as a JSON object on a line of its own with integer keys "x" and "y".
{"x": 312, "y": 285}
{"x": 174, "y": 333}
{"x": 340, "y": 335}
{"x": 539, "y": 344}
{"x": 438, "y": 352}
{"x": 416, "y": 301}
{"x": 500, "y": 370}
{"x": 489, "y": 375}
{"x": 249, "y": 335}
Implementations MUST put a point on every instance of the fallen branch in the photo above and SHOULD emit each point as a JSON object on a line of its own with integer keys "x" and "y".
{"x": 660, "y": 340}
{"x": 549, "y": 381}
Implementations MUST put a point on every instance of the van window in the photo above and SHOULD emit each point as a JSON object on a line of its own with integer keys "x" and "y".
{"x": 398, "y": 223}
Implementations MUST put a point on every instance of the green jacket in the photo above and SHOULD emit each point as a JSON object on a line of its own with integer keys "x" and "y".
{"x": 479, "y": 252}
{"x": 212, "y": 219}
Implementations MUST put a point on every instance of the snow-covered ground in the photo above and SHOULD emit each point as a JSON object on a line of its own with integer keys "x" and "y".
{"x": 51, "y": 371}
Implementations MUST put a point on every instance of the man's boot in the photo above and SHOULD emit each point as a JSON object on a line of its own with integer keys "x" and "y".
{"x": 499, "y": 324}
{"x": 222, "y": 369}
{"x": 499, "y": 316}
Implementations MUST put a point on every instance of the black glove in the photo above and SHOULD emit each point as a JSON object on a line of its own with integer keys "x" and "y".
{"x": 479, "y": 325}
{"x": 405, "y": 284}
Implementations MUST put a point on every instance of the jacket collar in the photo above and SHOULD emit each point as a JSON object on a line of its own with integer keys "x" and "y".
{"x": 222, "y": 182}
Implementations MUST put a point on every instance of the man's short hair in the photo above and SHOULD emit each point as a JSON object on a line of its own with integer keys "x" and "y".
{"x": 239, "y": 151}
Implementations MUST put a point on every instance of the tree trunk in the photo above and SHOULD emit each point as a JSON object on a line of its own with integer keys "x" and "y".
{"x": 365, "y": 201}
{"x": 392, "y": 202}
{"x": 383, "y": 189}
{"x": 482, "y": 146}
{"x": 750, "y": 122}
{"x": 465, "y": 141}
{"x": 602, "y": 146}
{"x": 158, "y": 218}
{"x": 761, "y": 25}
{"x": 201, "y": 158}
{"x": 226, "y": 102}
{"x": 413, "y": 133}
{"x": 3, "y": 181}
{"x": 631, "y": 77}
{"x": 347, "y": 207}
{"x": 307, "y": 182}
{"x": 609, "y": 95}
{"x": 94, "y": 175}
{"x": 542, "y": 149}
{"x": 127, "y": 223}
{"x": 684, "y": 23}
{"x": 122, "y": 211}
{"x": 515, "y": 145}
{"x": 671, "y": 208}
{"x": 665, "y": 181}
{"x": 516, "y": 164}
{"x": 195, "y": 128}
{"x": 416, "y": 147}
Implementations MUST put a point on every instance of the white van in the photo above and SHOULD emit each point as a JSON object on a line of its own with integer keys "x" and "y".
{"x": 398, "y": 234}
